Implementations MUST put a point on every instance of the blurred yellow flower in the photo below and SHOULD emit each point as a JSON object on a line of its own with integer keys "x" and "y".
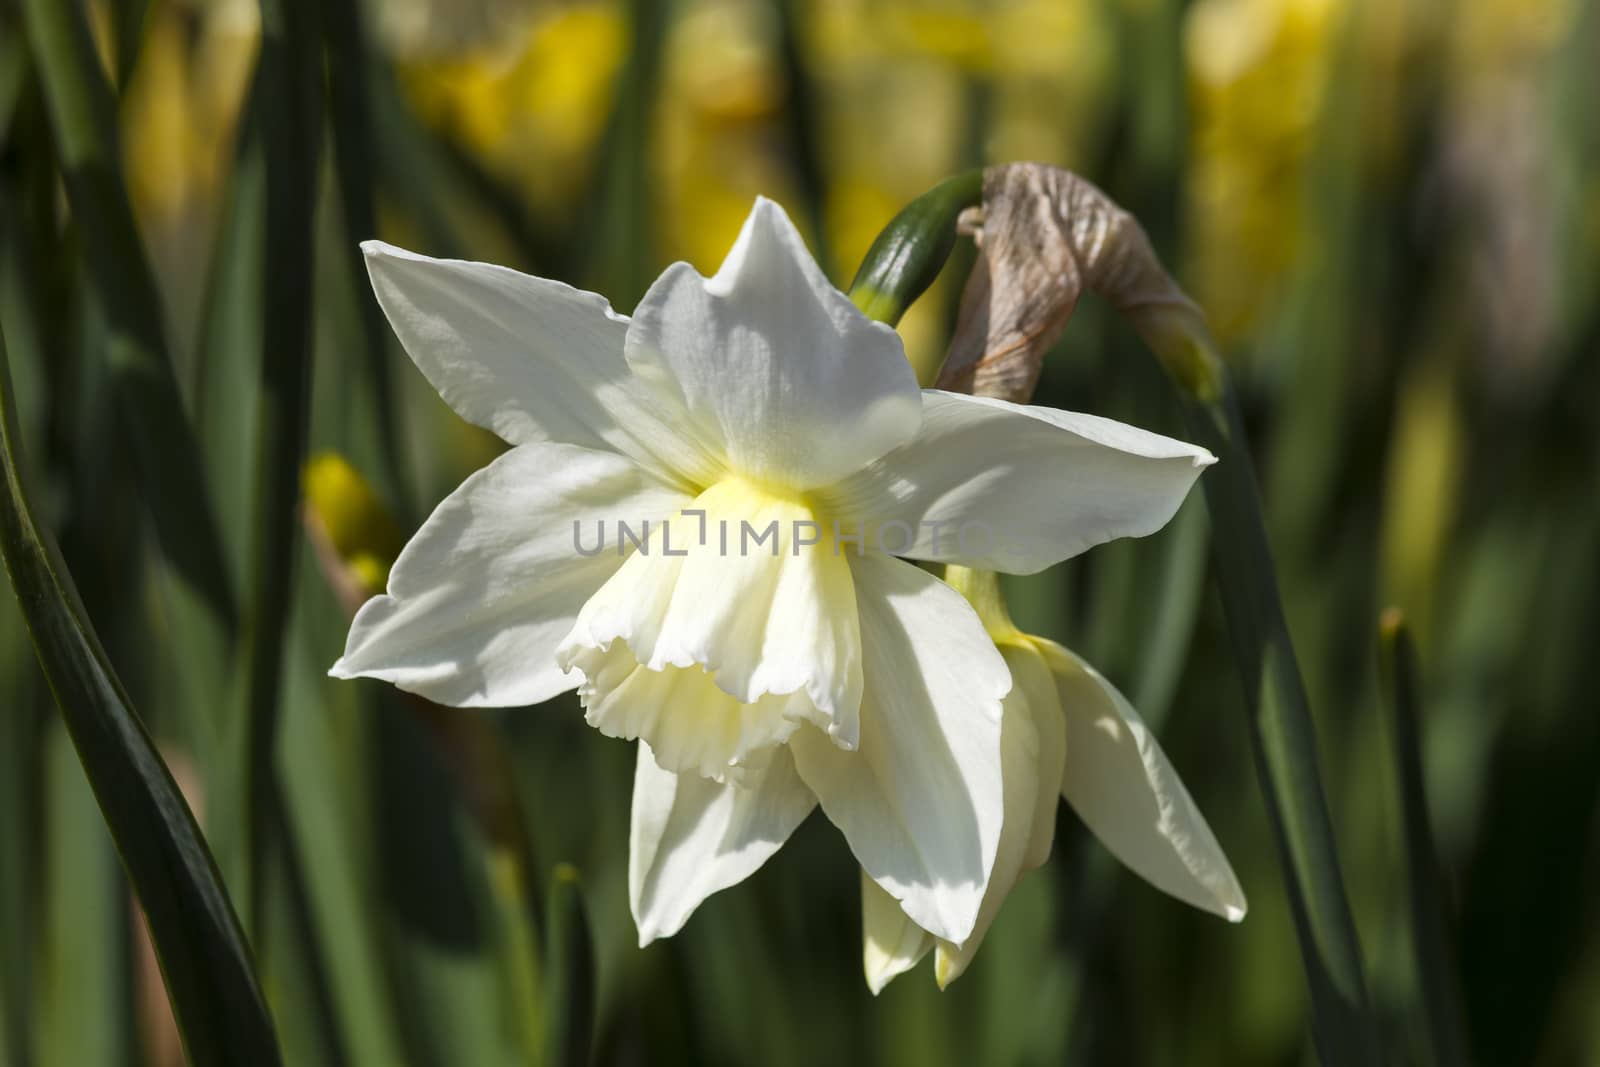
{"x": 1257, "y": 73}
{"x": 530, "y": 102}
{"x": 359, "y": 528}
{"x": 720, "y": 138}
{"x": 1504, "y": 35}
{"x": 182, "y": 104}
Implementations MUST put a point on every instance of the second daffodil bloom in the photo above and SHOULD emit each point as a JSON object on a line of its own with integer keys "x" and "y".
{"x": 697, "y": 527}
{"x": 1065, "y": 732}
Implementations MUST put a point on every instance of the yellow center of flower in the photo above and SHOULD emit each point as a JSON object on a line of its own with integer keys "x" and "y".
{"x": 731, "y": 623}
{"x": 742, "y": 517}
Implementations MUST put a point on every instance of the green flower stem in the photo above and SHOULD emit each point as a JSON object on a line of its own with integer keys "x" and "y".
{"x": 1429, "y": 939}
{"x": 287, "y": 100}
{"x": 1283, "y": 737}
{"x": 205, "y": 963}
{"x": 82, "y": 112}
{"x": 909, "y": 252}
{"x": 568, "y": 973}
{"x": 901, "y": 264}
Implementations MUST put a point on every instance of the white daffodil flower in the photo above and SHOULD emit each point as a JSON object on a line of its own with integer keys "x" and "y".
{"x": 759, "y": 637}
{"x": 1066, "y": 732}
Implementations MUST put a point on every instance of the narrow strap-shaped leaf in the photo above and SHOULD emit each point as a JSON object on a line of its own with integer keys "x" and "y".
{"x": 13, "y": 75}
{"x": 432, "y": 879}
{"x": 1430, "y": 942}
{"x": 18, "y": 811}
{"x": 204, "y": 958}
{"x": 83, "y": 119}
{"x": 288, "y": 107}
{"x": 1175, "y": 590}
{"x": 569, "y": 973}
{"x": 83, "y": 1007}
{"x": 129, "y": 18}
{"x": 354, "y": 143}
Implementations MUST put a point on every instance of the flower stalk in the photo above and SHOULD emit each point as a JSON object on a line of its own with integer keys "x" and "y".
{"x": 1060, "y": 713}
{"x": 1046, "y": 236}
{"x": 82, "y": 109}
{"x": 909, "y": 252}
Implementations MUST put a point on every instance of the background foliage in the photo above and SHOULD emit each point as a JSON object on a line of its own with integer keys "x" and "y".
{"x": 1390, "y": 210}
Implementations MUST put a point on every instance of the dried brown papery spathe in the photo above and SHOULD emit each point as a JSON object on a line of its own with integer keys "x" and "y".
{"x": 1045, "y": 235}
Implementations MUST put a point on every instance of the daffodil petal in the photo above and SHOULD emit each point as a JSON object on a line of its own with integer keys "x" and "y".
{"x": 1121, "y": 784}
{"x": 1015, "y": 488}
{"x": 692, "y": 837}
{"x": 492, "y": 581}
{"x": 921, "y": 801}
{"x": 528, "y": 358}
{"x": 1030, "y": 811}
{"x": 691, "y": 724}
{"x": 778, "y": 370}
{"x": 1031, "y": 673}
{"x": 891, "y": 944}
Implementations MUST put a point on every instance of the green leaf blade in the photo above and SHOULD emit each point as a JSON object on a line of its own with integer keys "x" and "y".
{"x": 82, "y": 110}
{"x": 204, "y": 959}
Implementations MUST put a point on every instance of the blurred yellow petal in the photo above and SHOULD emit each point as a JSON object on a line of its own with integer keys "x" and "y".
{"x": 1258, "y": 70}
{"x": 531, "y": 102}
{"x": 357, "y": 524}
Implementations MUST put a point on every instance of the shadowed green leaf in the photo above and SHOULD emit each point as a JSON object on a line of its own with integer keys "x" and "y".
{"x": 204, "y": 959}
{"x": 1429, "y": 939}
{"x": 569, "y": 973}
{"x": 83, "y": 1010}
{"x": 82, "y": 114}
{"x": 287, "y": 104}
{"x": 1282, "y": 735}
{"x": 18, "y": 813}
{"x": 354, "y": 143}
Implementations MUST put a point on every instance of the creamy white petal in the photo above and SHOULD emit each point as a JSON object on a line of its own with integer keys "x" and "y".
{"x": 528, "y": 358}
{"x": 1121, "y": 784}
{"x": 1033, "y": 675}
{"x": 1031, "y": 736}
{"x": 891, "y": 944}
{"x": 920, "y": 802}
{"x": 692, "y": 837}
{"x": 691, "y": 724}
{"x": 713, "y": 645}
{"x": 780, "y": 372}
{"x": 492, "y": 581}
{"x": 1015, "y": 488}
